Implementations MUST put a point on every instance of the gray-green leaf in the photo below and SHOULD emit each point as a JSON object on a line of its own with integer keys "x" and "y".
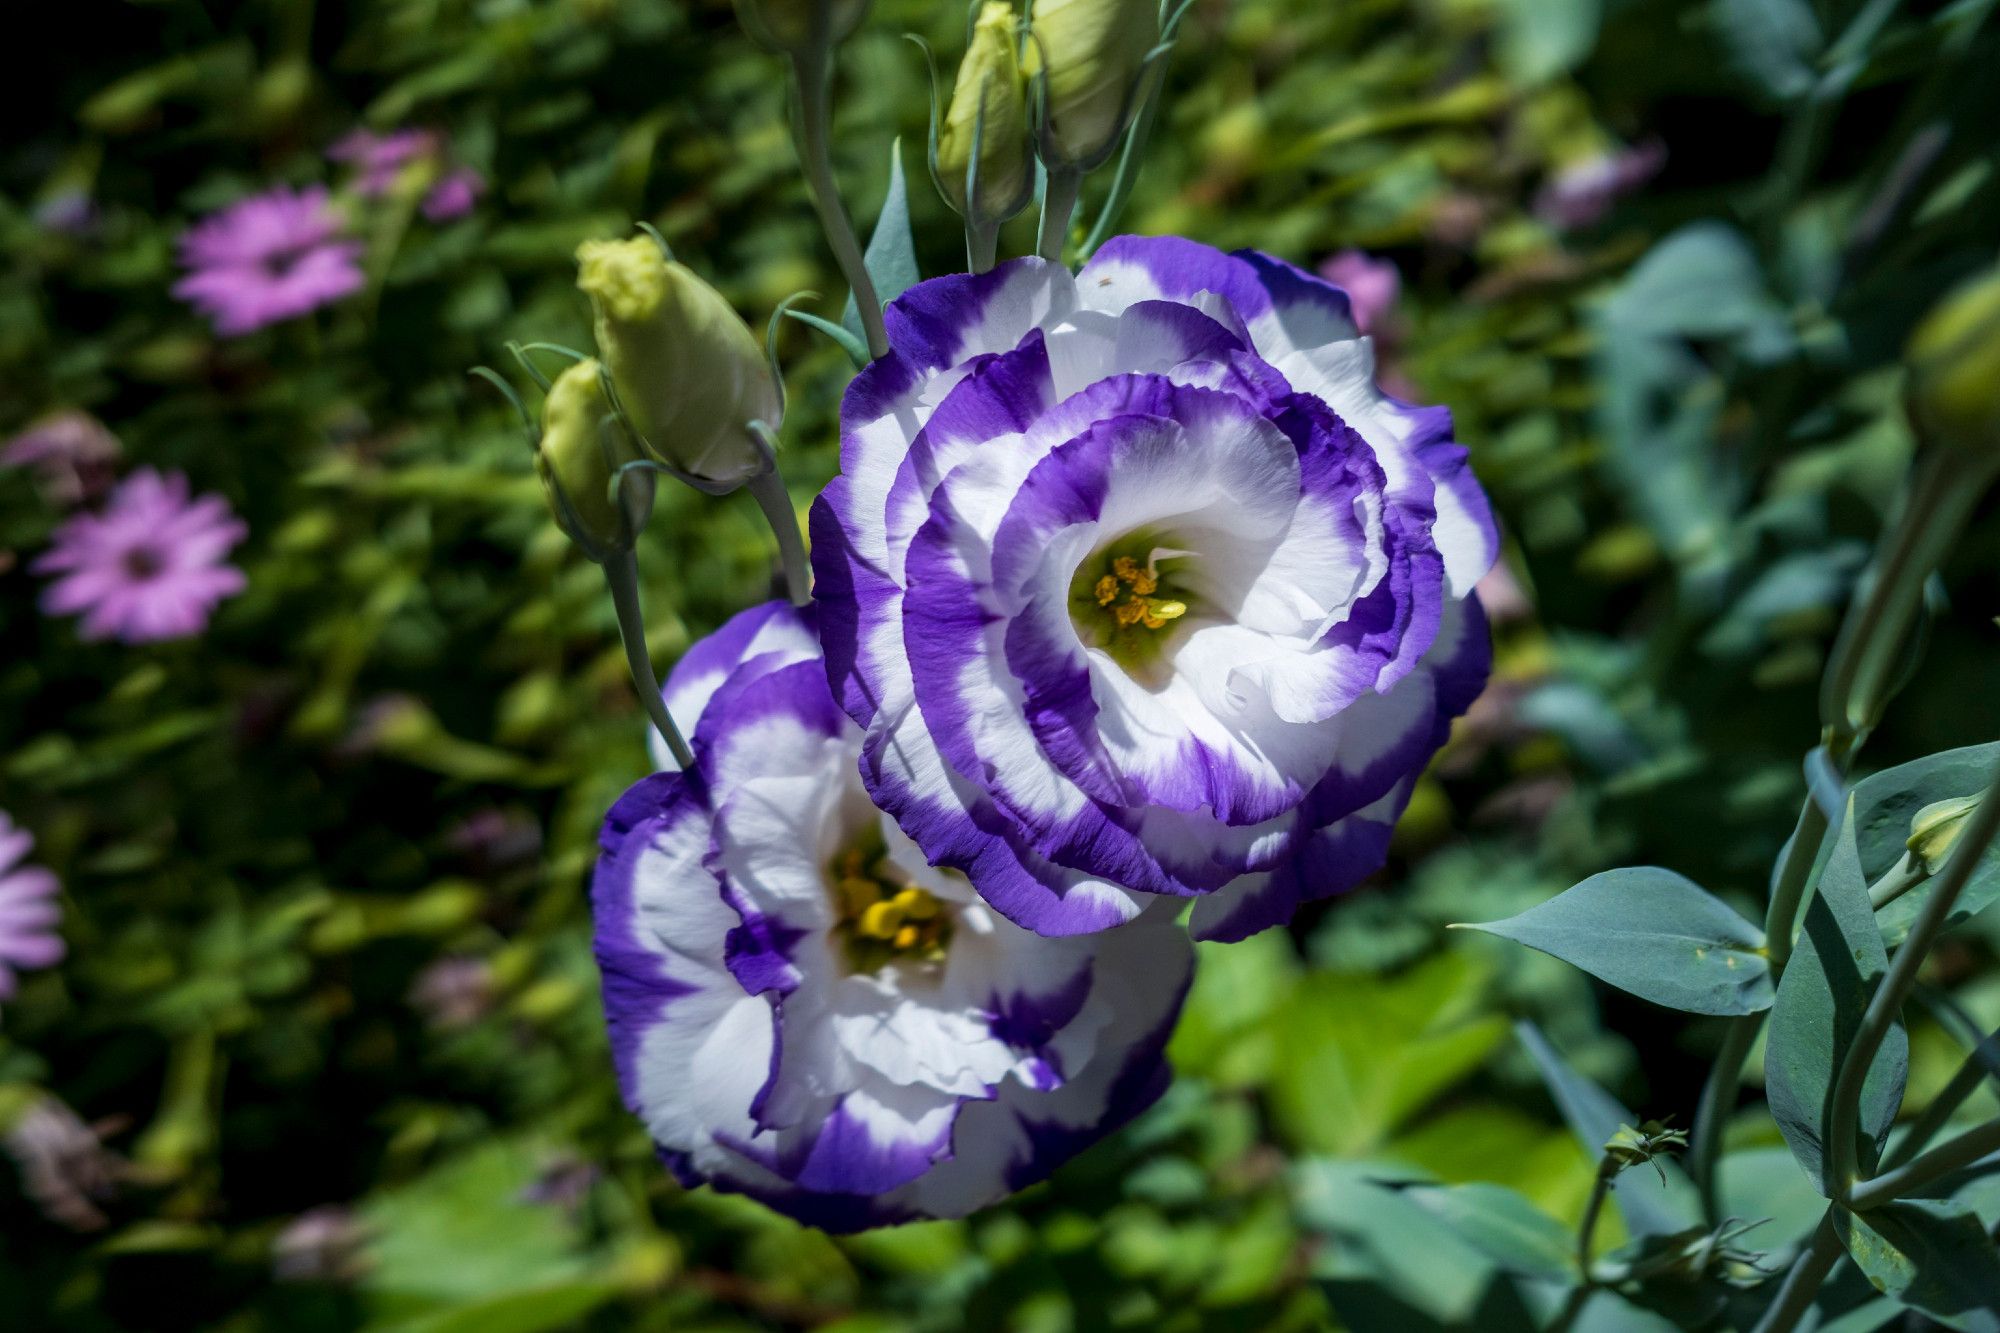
{"x": 1655, "y": 934}
{"x": 1883, "y": 807}
{"x": 891, "y": 258}
{"x": 1932, "y": 1256}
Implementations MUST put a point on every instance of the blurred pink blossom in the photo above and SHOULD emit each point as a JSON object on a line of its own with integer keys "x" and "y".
{"x": 1372, "y": 286}
{"x": 71, "y": 453}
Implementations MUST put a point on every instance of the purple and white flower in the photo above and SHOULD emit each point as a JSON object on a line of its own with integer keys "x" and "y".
{"x": 29, "y": 913}
{"x": 269, "y": 258}
{"x": 1139, "y": 585}
{"x": 804, "y": 1011}
{"x": 149, "y": 566}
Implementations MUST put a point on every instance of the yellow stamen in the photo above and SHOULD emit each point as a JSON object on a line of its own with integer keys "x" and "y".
{"x": 916, "y": 904}
{"x": 906, "y": 937}
{"x": 1107, "y": 590}
{"x": 881, "y": 921}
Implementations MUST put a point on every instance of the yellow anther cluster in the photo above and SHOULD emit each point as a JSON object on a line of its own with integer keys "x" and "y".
{"x": 1128, "y": 591}
{"x": 884, "y": 920}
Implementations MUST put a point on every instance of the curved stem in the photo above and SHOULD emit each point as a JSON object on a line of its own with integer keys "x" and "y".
{"x": 1795, "y": 1297}
{"x": 811, "y": 77}
{"x": 1982, "y": 1063}
{"x": 621, "y": 575}
{"x": 1905, "y": 875}
{"x": 1059, "y": 197}
{"x": 768, "y": 488}
{"x": 1586, "y": 1231}
{"x": 1887, "y": 1003}
{"x": 1942, "y": 1160}
{"x": 1718, "y": 1099}
{"x": 1788, "y": 889}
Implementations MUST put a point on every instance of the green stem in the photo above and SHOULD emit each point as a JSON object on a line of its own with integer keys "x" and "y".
{"x": 1795, "y": 1296}
{"x": 1788, "y": 890}
{"x": 1059, "y": 195}
{"x": 982, "y": 245}
{"x": 621, "y": 575}
{"x": 768, "y": 488}
{"x": 1887, "y": 1003}
{"x": 1718, "y": 1099}
{"x": 1874, "y": 635}
{"x": 1128, "y": 159}
{"x": 1942, "y": 1160}
{"x": 1905, "y": 875}
{"x": 1586, "y": 1231}
{"x": 1984, "y": 1062}
{"x": 811, "y": 82}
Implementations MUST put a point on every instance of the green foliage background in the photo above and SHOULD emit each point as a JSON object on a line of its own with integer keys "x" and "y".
{"x": 1687, "y": 414}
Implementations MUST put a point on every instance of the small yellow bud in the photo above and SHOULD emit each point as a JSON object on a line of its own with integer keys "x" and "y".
{"x": 1092, "y": 52}
{"x": 1954, "y": 363}
{"x": 1935, "y": 828}
{"x": 689, "y": 373}
{"x": 988, "y": 102}
{"x": 577, "y": 458}
{"x": 792, "y": 27}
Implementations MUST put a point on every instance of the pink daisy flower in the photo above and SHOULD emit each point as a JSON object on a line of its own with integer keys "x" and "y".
{"x": 454, "y": 196}
{"x": 268, "y": 258}
{"x": 28, "y": 909}
{"x": 149, "y": 566}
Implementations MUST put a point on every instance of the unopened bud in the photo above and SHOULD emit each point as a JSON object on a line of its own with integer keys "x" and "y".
{"x": 989, "y": 104}
{"x": 578, "y": 459}
{"x": 690, "y": 375}
{"x": 793, "y": 27}
{"x": 1934, "y": 831}
{"x": 1954, "y": 362}
{"x": 1092, "y": 53}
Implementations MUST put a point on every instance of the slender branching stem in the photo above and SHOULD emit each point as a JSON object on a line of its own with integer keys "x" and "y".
{"x": 1801, "y": 1284}
{"x": 621, "y": 575}
{"x": 1887, "y": 1001}
{"x": 768, "y": 489}
{"x": 1983, "y": 1063}
{"x": 1586, "y": 1231}
{"x": 812, "y": 76}
{"x": 1947, "y": 1157}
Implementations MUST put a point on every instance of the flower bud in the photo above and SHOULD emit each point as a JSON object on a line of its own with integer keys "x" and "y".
{"x": 1934, "y": 831}
{"x": 578, "y": 458}
{"x": 793, "y": 27}
{"x": 988, "y": 102}
{"x": 689, "y": 373}
{"x": 1954, "y": 364}
{"x": 1092, "y": 52}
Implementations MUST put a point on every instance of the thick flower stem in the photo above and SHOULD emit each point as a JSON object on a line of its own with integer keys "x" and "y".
{"x": 1905, "y": 875}
{"x": 982, "y": 245}
{"x": 768, "y": 488}
{"x": 1059, "y": 196}
{"x": 621, "y": 575}
{"x": 1983, "y": 1063}
{"x": 812, "y": 118}
{"x": 1795, "y": 1296}
{"x": 1887, "y": 1003}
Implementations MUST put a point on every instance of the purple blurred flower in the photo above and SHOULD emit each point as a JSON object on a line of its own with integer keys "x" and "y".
{"x": 1584, "y": 192}
{"x": 454, "y": 992}
{"x": 378, "y": 159}
{"x": 149, "y": 566}
{"x": 28, "y": 909}
{"x": 65, "y": 1167}
{"x": 454, "y": 196}
{"x": 269, "y": 258}
{"x": 494, "y": 840}
{"x": 1372, "y": 285}
{"x": 67, "y": 213}
{"x": 71, "y": 453}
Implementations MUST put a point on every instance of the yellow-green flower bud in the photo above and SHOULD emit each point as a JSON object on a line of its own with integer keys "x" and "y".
{"x": 1954, "y": 361}
{"x": 793, "y": 27}
{"x": 689, "y": 373}
{"x": 1092, "y": 52}
{"x": 989, "y": 103}
{"x": 578, "y": 457}
{"x": 1934, "y": 831}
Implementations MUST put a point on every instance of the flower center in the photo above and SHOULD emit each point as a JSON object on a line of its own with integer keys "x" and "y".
{"x": 1121, "y": 599}
{"x": 883, "y": 917}
{"x": 142, "y": 562}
